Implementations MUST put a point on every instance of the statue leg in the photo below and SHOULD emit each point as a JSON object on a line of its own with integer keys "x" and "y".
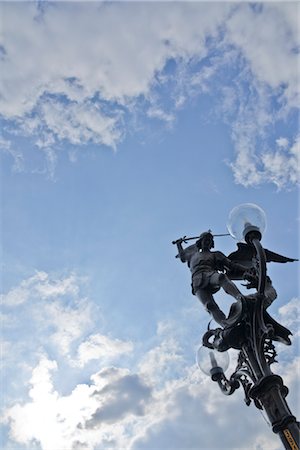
{"x": 270, "y": 293}
{"x": 211, "y": 306}
{"x": 229, "y": 287}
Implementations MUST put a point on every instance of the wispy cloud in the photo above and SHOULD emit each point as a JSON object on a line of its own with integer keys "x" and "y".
{"x": 272, "y": 51}
{"x": 290, "y": 315}
{"x": 101, "y": 347}
{"x": 89, "y": 79}
{"x": 78, "y": 123}
{"x": 164, "y": 359}
{"x": 282, "y": 166}
{"x": 67, "y": 323}
{"x": 40, "y": 286}
{"x": 119, "y": 409}
{"x": 95, "y": 413}
{"x": 50, "y": 311}
{"x": 271, "y": 92}
{"x": 159, "y": 401}
{"x": 87, "y": 73}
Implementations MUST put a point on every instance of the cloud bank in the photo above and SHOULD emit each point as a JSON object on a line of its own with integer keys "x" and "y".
{"x": 69, "y": 78}
{"x": 162, "y": 401}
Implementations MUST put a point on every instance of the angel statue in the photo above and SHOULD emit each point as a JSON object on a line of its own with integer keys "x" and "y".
{"x": 212, "y": 270}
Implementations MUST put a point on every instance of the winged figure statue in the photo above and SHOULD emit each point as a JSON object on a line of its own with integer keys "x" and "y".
{"x": 212, "y": 270}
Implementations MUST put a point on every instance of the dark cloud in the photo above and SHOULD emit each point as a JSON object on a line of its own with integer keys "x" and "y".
{"x": 188, "y": 425}
{"x": 121, "y": 397}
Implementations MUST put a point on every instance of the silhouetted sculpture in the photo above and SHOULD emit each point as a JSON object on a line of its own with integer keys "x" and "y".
{"x": 248, "y": 328}
{"x": 212, "y": 270}
{"x": 208, "y": 273}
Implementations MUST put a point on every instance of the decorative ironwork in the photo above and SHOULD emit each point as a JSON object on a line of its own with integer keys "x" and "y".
{"x": 248, "y": 328}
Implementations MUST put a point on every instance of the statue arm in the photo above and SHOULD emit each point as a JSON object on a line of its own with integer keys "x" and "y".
{"x": 232, "y": 266}
{"x": 185, "y": 254}
{"x": 181, "y": 252}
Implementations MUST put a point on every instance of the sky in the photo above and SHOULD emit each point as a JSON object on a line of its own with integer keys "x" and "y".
{"x": 126, "y": 125}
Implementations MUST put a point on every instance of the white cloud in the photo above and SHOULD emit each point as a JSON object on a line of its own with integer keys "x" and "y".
{"x": 163, "y": 361}
{"x": 21, "y": 293}
{"x": 77, "y": 123}
{"x": 271, "y": 71}
{"x": 192, "y": 412}
{"x": 89, "y": 78}
{"x": 102, "y": 348}
{"x": 68, "y": 323}
{"x": 282, "y": 142}
{"x": 289, "y": 314}
{"x": 271, "y": 49}
{"x": 50, "y": 312}
{"x": 54, "y": 288}
{"x": 155, "y": 112}
{"x": 5, "y": 144}
{"x": 279, "y": 166}
{"x": 40, "y": 286}
{"x": 41, "y": 418}
{"x": 256, "y": 162}
{"x": 91, "y": 414}
{"x": 81, "y": 57}
{"x": 86, "y": 73}
{"x": 119, "y": 408}
{"x": 282, "y": 167}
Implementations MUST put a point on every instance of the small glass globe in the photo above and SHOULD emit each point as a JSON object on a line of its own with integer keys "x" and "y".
{"x": 245, "y": 218}
{"x": 208, "y": 360}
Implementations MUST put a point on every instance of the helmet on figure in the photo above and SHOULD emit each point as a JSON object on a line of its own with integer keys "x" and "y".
{"x": 205, "y": 235}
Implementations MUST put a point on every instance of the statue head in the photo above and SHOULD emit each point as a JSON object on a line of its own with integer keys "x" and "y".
{"x": 206, "y": 240}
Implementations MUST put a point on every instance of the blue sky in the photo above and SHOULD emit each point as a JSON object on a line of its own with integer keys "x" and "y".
{"x": 124, "y": 127}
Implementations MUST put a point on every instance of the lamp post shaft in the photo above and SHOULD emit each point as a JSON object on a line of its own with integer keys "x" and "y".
{"x": 271, "y": 392}
{"x": 269, "y": 389}
{"x": 253, "y": 332}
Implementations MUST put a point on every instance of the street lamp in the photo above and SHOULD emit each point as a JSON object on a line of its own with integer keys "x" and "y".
{"x": 246, "y": 223}
{"x": 251, "y": 330}
{"x": 246, "y": 220}
{"x": 212, "y": 362}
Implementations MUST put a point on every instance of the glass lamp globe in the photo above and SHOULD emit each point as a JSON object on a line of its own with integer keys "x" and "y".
{"x": 244, "y": 219}
{"x": 212, "y": 362}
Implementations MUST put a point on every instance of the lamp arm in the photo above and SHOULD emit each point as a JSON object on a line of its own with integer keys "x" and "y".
{"x": 241, "y": 377}
{"x": 228, "y": 387}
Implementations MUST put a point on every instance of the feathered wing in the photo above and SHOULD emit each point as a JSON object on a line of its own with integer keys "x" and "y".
{"x": 275, "y": 257}
{"x": 245, "y": 255}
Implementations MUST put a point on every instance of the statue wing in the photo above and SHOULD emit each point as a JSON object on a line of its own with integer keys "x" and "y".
{"x": 275, "y": 257}
{"x": 246, "y": 253}
{"x": 243, "y": 255}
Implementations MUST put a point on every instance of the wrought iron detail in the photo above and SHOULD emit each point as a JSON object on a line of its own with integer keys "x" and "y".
{"x": 251, "y": 330}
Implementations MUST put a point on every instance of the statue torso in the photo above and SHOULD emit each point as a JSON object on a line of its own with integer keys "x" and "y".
{"x": 207, "y": 261}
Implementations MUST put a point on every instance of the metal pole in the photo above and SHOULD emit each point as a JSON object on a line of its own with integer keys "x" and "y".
{"x": 264, "y": 387}
{"x": 271, "y": 392}
{"x": 269, "y": 389}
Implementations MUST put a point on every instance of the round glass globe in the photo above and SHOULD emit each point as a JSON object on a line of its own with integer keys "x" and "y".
{"x": 244, "y": 217}
{"x": 208, "y": 359}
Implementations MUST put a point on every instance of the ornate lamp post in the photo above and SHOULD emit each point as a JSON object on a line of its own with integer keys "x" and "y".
{"x": 248, "y": 327}
{"x": 252, "y": 331}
